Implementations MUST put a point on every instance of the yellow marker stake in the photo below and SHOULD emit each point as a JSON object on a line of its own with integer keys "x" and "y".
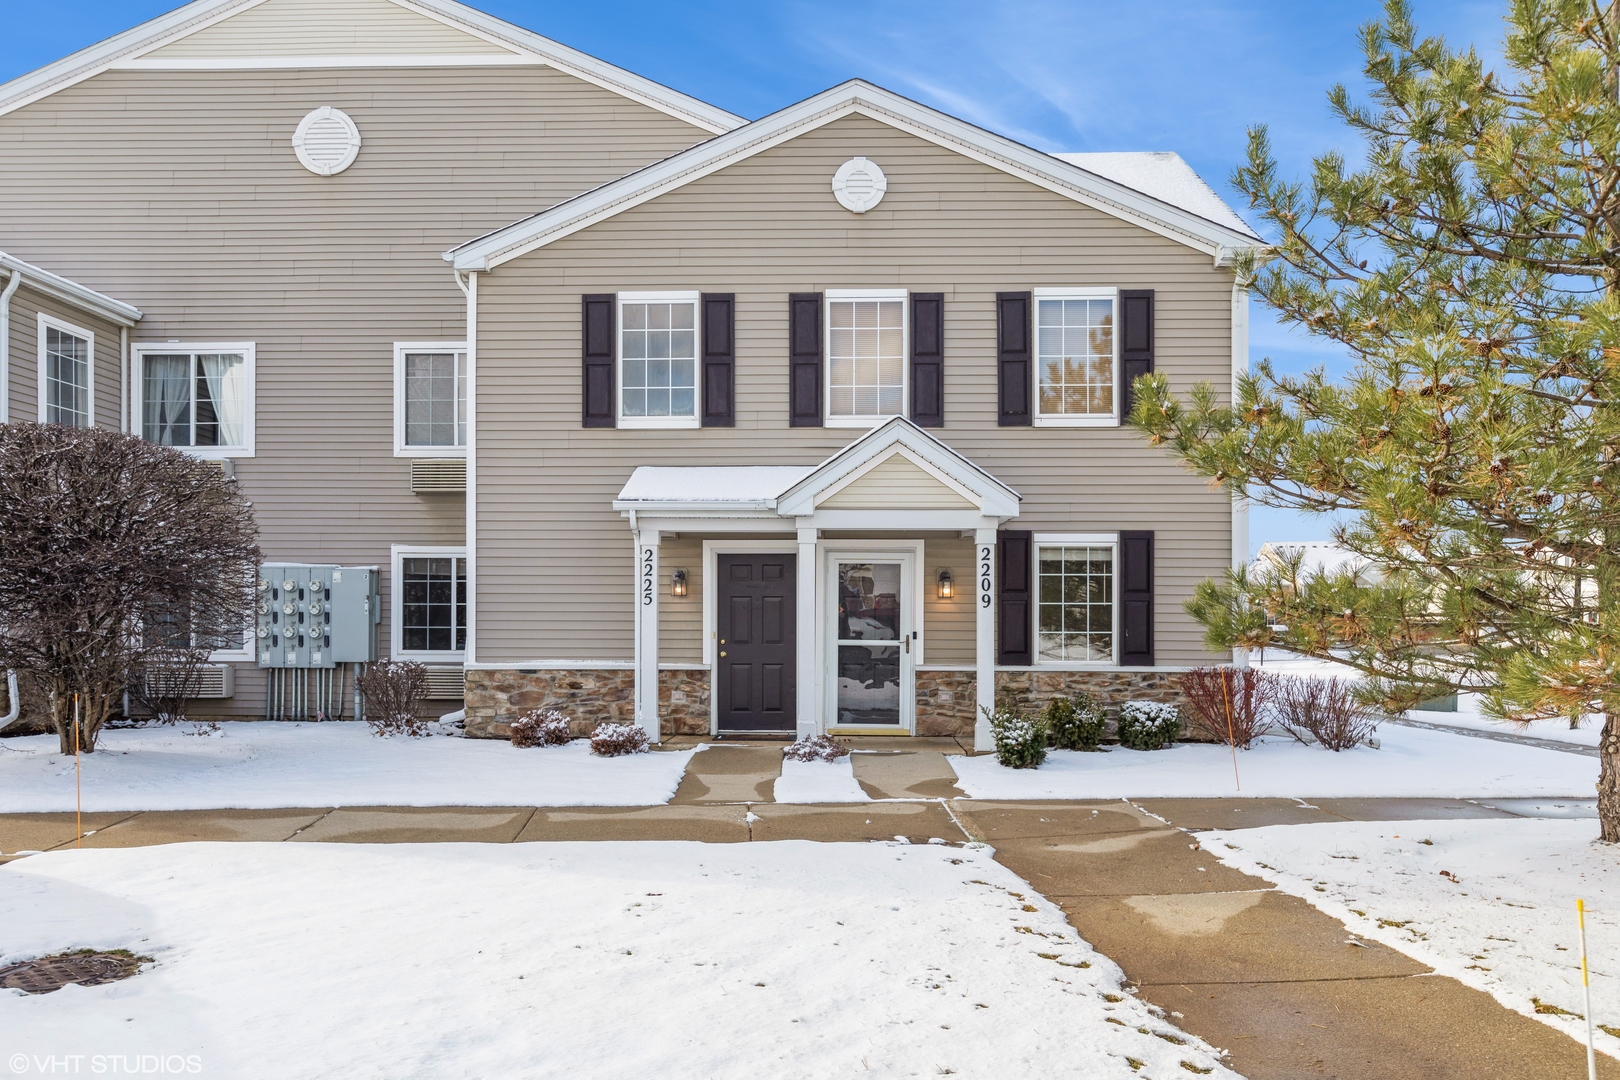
{"x": 1586, "y": 986}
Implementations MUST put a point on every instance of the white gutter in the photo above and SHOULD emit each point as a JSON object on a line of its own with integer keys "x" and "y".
{"x": 5, "y": 347}
{"x": 60, "y": 288}
{"x": 14, "y": 697}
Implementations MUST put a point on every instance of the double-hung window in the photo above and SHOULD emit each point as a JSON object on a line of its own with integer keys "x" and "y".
{"x": 196, "y": 397}
{"x": 658, "y": 359}
{"x": 430, "y": 603}
{"x": 866, "y": 356}
{"x": 1076, "y": 357}
{"x": 1075, "y": 619}
{"x": 66, "y": 374}
{"x": 430, "y": 399}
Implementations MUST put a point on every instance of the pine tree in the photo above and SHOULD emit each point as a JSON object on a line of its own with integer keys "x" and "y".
{"x": 1470, "y": 266}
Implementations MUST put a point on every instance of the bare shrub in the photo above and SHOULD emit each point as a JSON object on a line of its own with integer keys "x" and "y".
{"x": 394, "y": 694}
{"x": 163, "y": 692}
{"x": 1228, "y": 704}
{"x": 116, "y": 556}
{"x": 540, "y": 727}
{"x": 616, "y": 740}
{"x": 816, "y": 748}
{"x": 1325, "y": 710}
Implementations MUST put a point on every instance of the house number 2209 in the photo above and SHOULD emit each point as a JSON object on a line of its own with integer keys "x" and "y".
{"x": 984, "y": 575}
{"x": 646, "y": 577}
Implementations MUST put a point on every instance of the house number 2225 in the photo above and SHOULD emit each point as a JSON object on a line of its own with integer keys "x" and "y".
{"x": 985, "y": 552}
{"x": 646, "y": 577}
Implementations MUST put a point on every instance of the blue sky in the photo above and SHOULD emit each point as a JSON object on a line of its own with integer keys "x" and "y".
{"x": 1075, "y": 75}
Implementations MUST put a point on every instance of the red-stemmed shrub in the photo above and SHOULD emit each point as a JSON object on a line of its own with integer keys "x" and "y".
{"x": 1228, "y": 704}
{"x": 540, "y": 727}
{"x": 616, "y": 740}
{"x": 1325, "y": 711}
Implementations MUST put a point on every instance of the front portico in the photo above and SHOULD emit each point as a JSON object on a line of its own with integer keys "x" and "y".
{"x": 814, "y": 578}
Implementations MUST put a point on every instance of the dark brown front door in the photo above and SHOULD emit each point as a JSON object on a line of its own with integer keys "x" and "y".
{"x": 755, "y": 642}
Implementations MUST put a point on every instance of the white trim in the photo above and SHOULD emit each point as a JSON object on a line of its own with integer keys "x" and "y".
{"x": 909, "y": 553}
{"x": 60, "y": 288}
{"x": 850, "y": 98}
{"x": 910, "y": 455}
{"x": 1240, "y": 504}
{"x": 279, "y": 63}
{"x": 1040, "y": 540}
{"x": 397, "y": 554}
{"x": 401, "y": 349}
{"x": 835, "y": 296}
{"x": 149, "y": 36}
{"x": 62, "y": 326}
{"x": 137, "y": 386}
{"x": 13, "y": 282}
{"x": 470, "y": 526}
{"x": 657, "y": 423}
{"x": 1092, "y": 292}
{"x": 551, "y": 665}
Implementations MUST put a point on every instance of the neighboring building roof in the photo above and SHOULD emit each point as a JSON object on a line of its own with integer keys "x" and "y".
{"x": 1163, "y": 175}
{"x": 1318, "y": 557}
{"x": 131, "y": 48}
{"x": 1219, "y": 238}
{"x": 71, "y": 292}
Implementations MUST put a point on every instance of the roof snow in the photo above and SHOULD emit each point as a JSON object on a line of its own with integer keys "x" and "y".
{"x": 756, "y": 485}
{"x": 1164, "y": 176}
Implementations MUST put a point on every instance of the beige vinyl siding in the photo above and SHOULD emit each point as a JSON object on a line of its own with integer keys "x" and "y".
{"x": 26, "y": 306}
{"x": 899, "y": 483}
{"x": 680, "y": 619}
{"x": 950, "y": 627}
{"x": 326, "y": 28}
{"x": 179, "y": 192}
{"x": 552, "y": 571}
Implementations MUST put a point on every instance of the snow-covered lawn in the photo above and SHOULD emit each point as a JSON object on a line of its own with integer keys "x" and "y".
{"x": 597, "y": 960}
{"x": 1411, "y": 762}
{"x": 1488, "y": 902}
{"x": 819, "y": 782}
{"x": 259, "y": 765}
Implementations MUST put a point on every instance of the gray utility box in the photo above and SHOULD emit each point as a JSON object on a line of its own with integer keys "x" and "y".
{"x": 317, "y": 616}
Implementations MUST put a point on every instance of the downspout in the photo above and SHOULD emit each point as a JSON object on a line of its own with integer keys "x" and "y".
{"x": 14, "y": 698}
{"x": 5, "y": 344}
{"x": 123, "y": 379}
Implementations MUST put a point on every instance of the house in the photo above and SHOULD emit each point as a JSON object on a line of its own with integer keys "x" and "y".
{"x": 647, "y": 412}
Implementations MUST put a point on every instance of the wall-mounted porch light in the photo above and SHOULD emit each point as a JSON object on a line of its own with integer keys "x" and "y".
{"x": 677, "y": 583}
{"x": 947, "y": 586}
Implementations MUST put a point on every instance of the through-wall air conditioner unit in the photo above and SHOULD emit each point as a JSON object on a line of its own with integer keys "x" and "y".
{"x": 212, "y": 681}
{"x": 446, "y": 682}
{"x": 433, "y": 476}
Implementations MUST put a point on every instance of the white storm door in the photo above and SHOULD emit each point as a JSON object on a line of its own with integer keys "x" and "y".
{"x": 871, "y": 642}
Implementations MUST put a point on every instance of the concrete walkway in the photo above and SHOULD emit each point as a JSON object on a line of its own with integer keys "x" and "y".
{"x": 1287, "y": 990}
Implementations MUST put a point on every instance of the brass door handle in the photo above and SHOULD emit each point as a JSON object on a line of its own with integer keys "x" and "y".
{"x": 722, "y": 652}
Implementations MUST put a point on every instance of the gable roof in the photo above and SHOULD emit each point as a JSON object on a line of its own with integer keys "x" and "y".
{"x": 1165, "y": 176}
{"x": 71, "y": 292}
{"x": 132, "y": 48}
{"x": 856, "y": 97}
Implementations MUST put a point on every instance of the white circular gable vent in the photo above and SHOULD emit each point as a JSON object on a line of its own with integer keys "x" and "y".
{"x": 327, "y": 141}
{"x": 859, "y": 184}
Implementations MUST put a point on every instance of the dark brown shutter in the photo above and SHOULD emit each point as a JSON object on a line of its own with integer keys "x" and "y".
{"x": 1136, "y": 599}
{"x": 719, "y": 359}
{"x": 928, "y": 359}
{"x": 597, "y": 383}
{"x": 1135, "y": 341}
{"x": 804, "y": 360}
{"x": 1015, "y": 367}
{"x": 1015, "y": 616}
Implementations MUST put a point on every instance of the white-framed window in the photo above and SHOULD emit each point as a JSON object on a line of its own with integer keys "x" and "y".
{"x": 1076, "y": 608}
{"x": 430, "y": 399}
{"x": 429, "y": 603}
{"x": 67, "y": 373}
{"x": 658, "y": 359}
{"x": 178, "y": 630}
{"x": 198, "y": 397}
{"x": 1077, "y": 357}
{"x": 866, "y": 356}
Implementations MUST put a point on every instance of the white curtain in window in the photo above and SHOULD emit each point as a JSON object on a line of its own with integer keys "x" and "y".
{"x": 227, "y": 386}
{"x": 166, "y": 400}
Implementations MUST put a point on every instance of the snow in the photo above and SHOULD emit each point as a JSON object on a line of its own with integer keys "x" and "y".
{"x": 759, "y": 484}
{"x": 601, "y": 960}
{"x": 1500, "y": 919}
{"x": 1166, "y": 177}
{"x": 819, "y": 782}
{"x": 262, "y": 765}
{"x": 1411, "y": 763}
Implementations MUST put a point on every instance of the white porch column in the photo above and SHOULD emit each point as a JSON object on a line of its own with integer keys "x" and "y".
{"x": 810, "y": 676}
{"x": 647, "y": 631}
{"x": 984, "y": 606}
